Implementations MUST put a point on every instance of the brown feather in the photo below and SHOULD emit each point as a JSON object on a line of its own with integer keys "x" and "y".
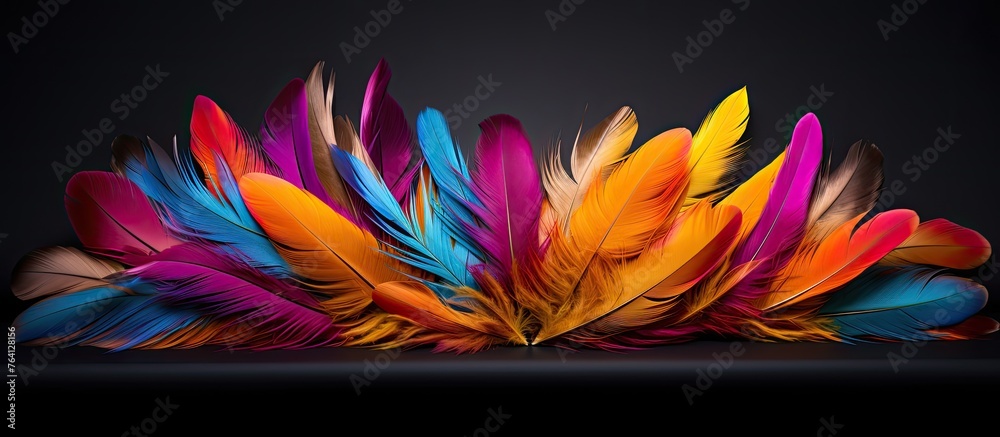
{"x": 59, "y": 270}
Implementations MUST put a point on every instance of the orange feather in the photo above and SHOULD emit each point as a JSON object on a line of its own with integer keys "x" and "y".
{"x": 214, "y": 133}
{"x": 616, "y": 295}
{"x": 839, "y": 258}
{"x": 328, "y": 251}
{"x": 638, "y": 201}
{"x": 471, "y": 320}
{"x": 940, "y": 242}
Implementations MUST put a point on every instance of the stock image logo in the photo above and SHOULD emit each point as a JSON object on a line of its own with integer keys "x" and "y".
{"x": 713, "y": 29}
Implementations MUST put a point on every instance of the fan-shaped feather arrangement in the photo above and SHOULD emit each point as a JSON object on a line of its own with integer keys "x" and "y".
{"x": 315, "y": 233}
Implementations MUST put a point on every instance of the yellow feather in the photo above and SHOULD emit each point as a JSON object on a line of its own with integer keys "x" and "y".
{"x": 714, "y": 149}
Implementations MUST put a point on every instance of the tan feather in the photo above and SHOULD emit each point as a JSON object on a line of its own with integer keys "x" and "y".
{"x": 322, "y": 134}
{"x": 59, "y": 270}
{"x": 601, "y": 147}
{"x": 851, "y": 189}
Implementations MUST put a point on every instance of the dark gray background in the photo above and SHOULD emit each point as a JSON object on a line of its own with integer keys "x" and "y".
{"x": 935, "y": 71}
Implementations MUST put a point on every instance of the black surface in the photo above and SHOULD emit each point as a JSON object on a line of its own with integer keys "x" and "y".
{"x": 935, "y": 71}
{"x": 787, "y": 388}
{"x": 666, "y": 367}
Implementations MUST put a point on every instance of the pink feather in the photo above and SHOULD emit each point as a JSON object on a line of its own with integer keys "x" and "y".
{"x": 386, "y": 134}
{"x": 782, "y": 222}
{"x": 277, "y": 315}
{"x": 506, "y": 182}
{"x": 113, "y": 217}
{"x": 285, "y": 141}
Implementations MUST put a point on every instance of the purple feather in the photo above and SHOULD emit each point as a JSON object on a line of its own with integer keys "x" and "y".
{"x": 194, "y": 276}
{"x": 782, "y": 221}
{"x": 386, "y": 135}
{"x": 506, "y": 182}
{"x": 285, "y": 140}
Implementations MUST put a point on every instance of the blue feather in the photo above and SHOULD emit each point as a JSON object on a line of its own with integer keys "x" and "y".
{"x": 451, "y": 177}
{"x": 902, "y": 304}
{"x": 447, "y": 165}
{"x": 439, "y": 238}
{"x": 450, "y": 173}
{"x": 104, "y": 313}
{"x": 194, "y": 211}
{"x": 429, "y": 249}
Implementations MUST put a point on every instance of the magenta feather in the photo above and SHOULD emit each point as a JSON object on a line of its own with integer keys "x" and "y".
{"x": 113, "y": 217}
{"x": 508, "y": 187}
{"x": 285, "y": 140}
{"x": 386, "y": 134}
{"x": 783, "y": 219}
{"x": 193, "y": 275}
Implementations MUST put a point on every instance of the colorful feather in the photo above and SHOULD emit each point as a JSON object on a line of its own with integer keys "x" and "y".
{"x": 753, "y": 194}
{"x": 215, "y": 134}
{"x": 841, "y": 257}
{"x": 323, "y": 136}
{"x": 59, "y": 270}
{"x": 715, "y": 152}
{"x": 592, "y": 156}
{"x": 322, "y": 247}
{"x": 114, "y": 218}
{"x": 783, "y": 219}
{"x": 638, "y": 201}
{"x": 902, "y": 304}
{"x": 387, "y": 136}
{"x": 850, "y": 190}
{"x": 430, "y": 249}
{"x": 616, "y": 297}
{"x": 750, "y": 198}
{"x": 285, "y": 140}
{"x": 444, "y": 234}
{"x": 468, "y": 322}
{"x": 449, "y": 174}
{"x": 508, "y": 195}
{"x": 312, "y": 234}
{"x": 617, "y": 220}
{"x": 941, "y": 243}
{"x": 278, "y": 315}
{"x": 104, "y": 316}
{"x": 190, "y": 209}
